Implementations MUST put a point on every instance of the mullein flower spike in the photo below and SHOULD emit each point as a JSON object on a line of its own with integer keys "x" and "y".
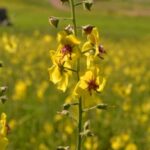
{"x": 66, "y": 62}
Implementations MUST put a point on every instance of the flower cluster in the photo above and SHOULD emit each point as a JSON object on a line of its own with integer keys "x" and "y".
{"x": 76, "y": 59}
{"x": 69, "y": 52}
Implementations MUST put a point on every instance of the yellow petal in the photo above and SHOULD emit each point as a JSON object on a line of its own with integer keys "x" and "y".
{"x": 102, "y": 85}
{"x": 55, "y": 75}
{"x": 87, "y": 46}
{"x": 83, "y": 84}
{"x": 72, "y": 40}
{"x": 77, "y": 90}
{"x": 63, "y": 84}
{"x": 90, "y": 61}
{"x": 61, "y": 36}
{"x": 94, "y": 36}
{"x": 87, "y": 76}
{"x": 3, "y": 143}
{"x": 3, "y": 129}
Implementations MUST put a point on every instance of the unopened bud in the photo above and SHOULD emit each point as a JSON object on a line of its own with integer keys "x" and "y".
{"x": 63, "y": 148}
{"x": 69, "y": 29}
{"x": 102, "y": 106}
{"x": 101, "y": 49}
{"x": 66, "y": 106}
{"x": 3, "y": 99}
{"x": 1, "y": 64}
{"x": 87, "y": 125}
{"x": 87, "y": 29}
{"x": 3, "y": 89}
{"x": 89, "y": 133}
{"x": 54, "y": 21}
{"x": 88, "y": 4}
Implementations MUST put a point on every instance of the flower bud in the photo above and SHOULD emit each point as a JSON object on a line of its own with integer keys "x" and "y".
{"x": 54, "y": 21}
{"x": 69, "y": 29}
{"x": 88, "y": 4}
{"x": 3, "y": 99}
{"x": 87, "y": 29}
{"x": 102, "y": 106}
{"x": 3, "y": 89}
{"x": 87, "y": 125}
{"x": 89, "y": 133}
{"x": 1, "y": 64}
{"x": 63, "y": 148}
{"x": 66, "y": 106}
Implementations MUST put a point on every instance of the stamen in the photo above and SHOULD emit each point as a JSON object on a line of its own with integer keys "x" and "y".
{"x": 67, "y": 50}
{"x": 92, "y": 85}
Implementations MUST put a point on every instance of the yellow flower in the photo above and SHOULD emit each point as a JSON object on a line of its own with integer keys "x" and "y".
{"x": 117, "y": 143}
{"x": 91, "y": 143}
{"x": 59, "y": 73}
{"x": 69, "y": 129}
{"x": 3, "y": 132}
{"x": 92, "y": 47}
{"x": 10, "y": 43}
{"x": 47, "y": 38}
{"x": 42, "y": 146}
{"x": 68, "y": 45}
{"x": 90, "y": 82}
{"x": 41, "y": 90}
{"x": 48, "y": 128}
{"x": 20, "y": 90}
{"x": 131, "y": 146}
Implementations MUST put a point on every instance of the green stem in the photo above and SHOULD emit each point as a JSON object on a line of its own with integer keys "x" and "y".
{"x": 79, "y": 138}
{"x": 73, "y": 16}
{"x": 88, "y": 109}
{"x": 79, "y": 125}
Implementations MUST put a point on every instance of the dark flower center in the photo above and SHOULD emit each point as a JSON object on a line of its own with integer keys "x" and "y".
{"x": 92, "y": 85}
{"x": 67, "y": 50}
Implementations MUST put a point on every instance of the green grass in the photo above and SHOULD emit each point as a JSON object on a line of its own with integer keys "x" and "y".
{"x": 112, "y": 25}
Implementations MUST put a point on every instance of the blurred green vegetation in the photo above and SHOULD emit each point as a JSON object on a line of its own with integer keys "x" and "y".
{"x": 116, "y": 19}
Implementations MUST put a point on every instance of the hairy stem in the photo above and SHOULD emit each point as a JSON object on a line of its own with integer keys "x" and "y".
{"x": 79, "y": 138}
{"x": 80, "y": 125}
{"x": 73, "y": 13}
